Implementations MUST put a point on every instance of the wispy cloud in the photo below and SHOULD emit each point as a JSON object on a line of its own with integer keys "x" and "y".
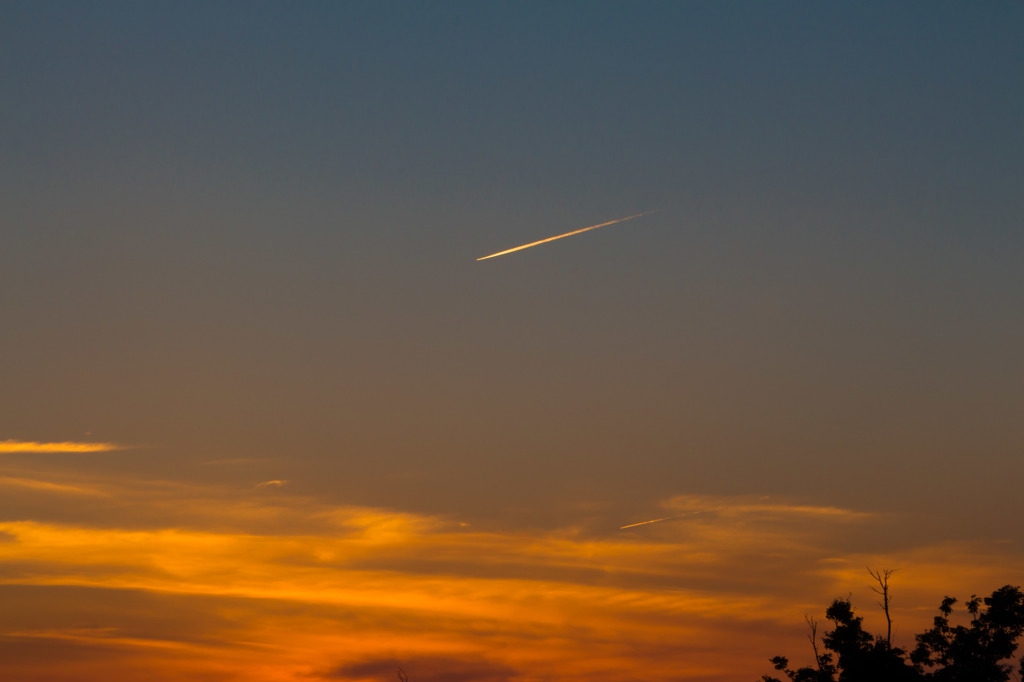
{"x": 760, "y": 508}
{"x": 12, "y": 446}
{"x": 271, "y": 484}
{"x": 47, "y": 486}
{"x": 236, "y": 460}
{"x": 333, "y": 592}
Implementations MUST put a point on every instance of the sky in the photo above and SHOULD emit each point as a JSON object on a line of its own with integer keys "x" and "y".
{"x": 264, "y": 416}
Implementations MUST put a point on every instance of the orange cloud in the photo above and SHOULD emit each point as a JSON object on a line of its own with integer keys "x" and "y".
{"x": 46, "y": 486}
{"x": 759, "y": 507}
{"x": 12, "y": 446}
{"x": 284, "y": 587}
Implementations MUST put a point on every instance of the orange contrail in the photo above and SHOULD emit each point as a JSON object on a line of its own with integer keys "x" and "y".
{"x": 567, "y": 234}
{"x": 644, "y": 523}
{"x": 664, "y": 518}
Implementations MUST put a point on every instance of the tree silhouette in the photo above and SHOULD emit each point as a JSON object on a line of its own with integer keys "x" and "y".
{"x": 975, "y": 653}
{"x": 882, "y": 578}
{"x": 945, "y": 653}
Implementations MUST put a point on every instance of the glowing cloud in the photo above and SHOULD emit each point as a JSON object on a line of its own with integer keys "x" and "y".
{"x": 46, "y": 486}
{"x": 757, "y": 508}
{"x": 328, "y": 592}
{"x": 270, "y": 484}
{"x": 10, "y": 446}
{"x": 567, "y": 234}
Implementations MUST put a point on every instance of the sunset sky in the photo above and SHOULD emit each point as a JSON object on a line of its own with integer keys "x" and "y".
{"x": 265, "y": 417}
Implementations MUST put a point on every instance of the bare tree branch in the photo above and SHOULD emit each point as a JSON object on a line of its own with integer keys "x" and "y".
{"x": 813, "y": 636}
{"x": 882, "y": 578}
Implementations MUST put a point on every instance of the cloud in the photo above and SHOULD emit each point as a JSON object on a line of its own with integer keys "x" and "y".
{"x": 421, "y": 588}
{"x": 426, "y": 669}
{"x": 47, "y": 486}
{"x": 760, "y": 507}
{"x": 236, "y": 460}
{"x": 98, "y": 637}
{"x": 13, "y": 446}
{"x": 270, "y": 484}
{"x": 343, "y": 592}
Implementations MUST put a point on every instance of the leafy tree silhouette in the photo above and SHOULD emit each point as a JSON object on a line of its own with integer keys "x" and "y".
{"x": 975, "y": 653}
{"x": 856, "y": 654}
{"x": 945, "y": 653}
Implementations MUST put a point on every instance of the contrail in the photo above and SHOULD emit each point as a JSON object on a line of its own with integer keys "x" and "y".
{"x": 644, "y": 523}
{"x": 567, "y": 234}
{"x": 665, "y": 518}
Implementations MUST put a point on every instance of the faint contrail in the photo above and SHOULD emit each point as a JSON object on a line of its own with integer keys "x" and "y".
{"x": 664, "y": 518}
{"x": 567, "y": 234}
